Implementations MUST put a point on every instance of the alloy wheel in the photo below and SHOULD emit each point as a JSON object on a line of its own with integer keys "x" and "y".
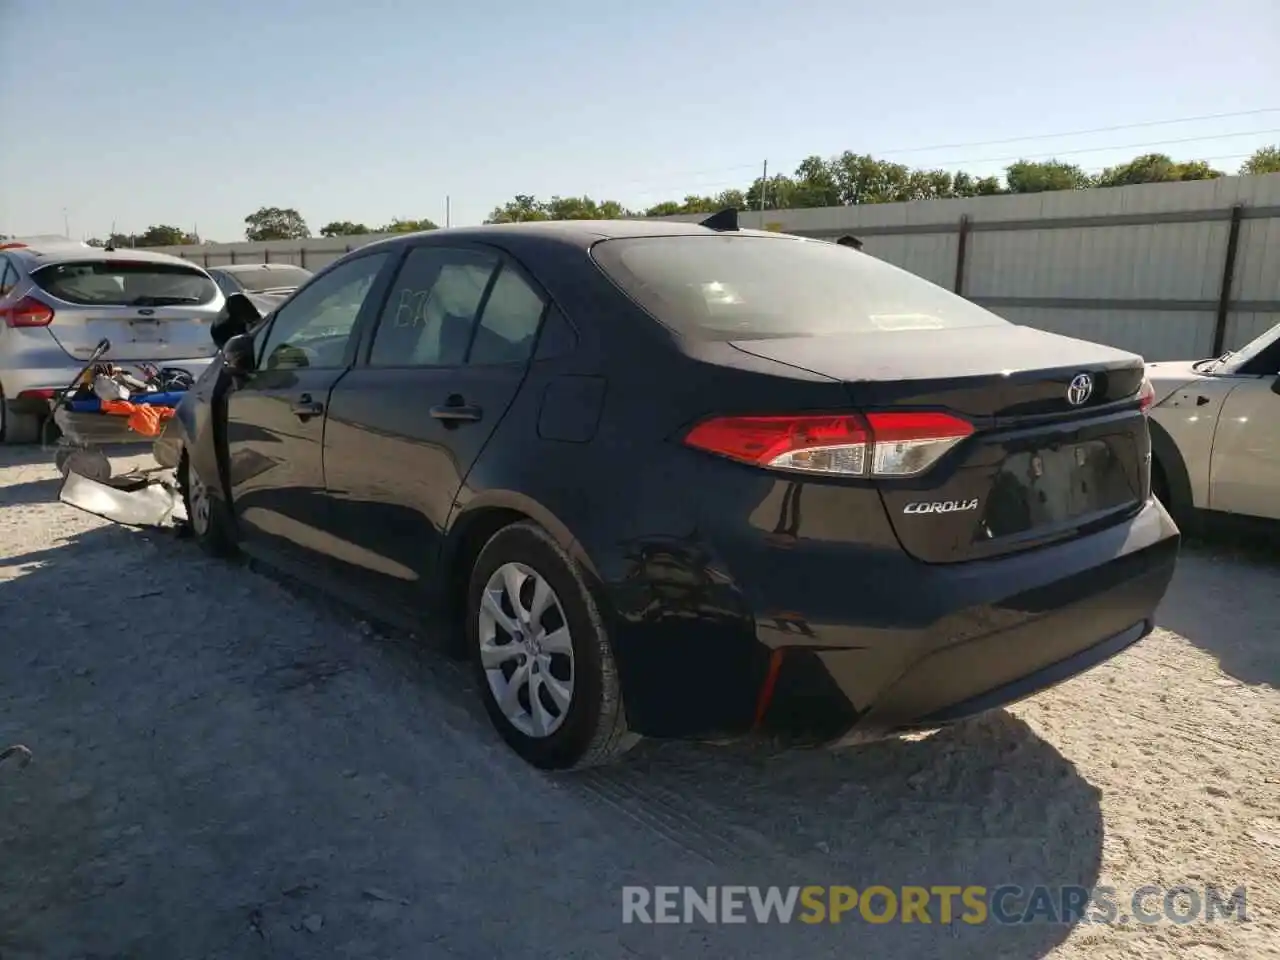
{"x": 526, "y": 650}
{"x": 197, "y": 502}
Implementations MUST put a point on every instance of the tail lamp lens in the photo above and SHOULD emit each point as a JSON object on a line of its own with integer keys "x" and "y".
{"x": 1146, "y": 396}
{"x": 27, "y": 312}
{"x": 850, "y": 445}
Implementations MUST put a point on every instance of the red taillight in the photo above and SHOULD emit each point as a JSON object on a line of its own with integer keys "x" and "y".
{"x": 37, "y": 394}
{"x": 879, "y": 445}
{"x": 13, "y": 246}
{"x": 27, "y": 312}
{"x": 1146, "y": 395}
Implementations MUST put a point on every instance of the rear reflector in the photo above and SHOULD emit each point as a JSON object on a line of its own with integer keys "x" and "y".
{"x": 1146, "y": 395}
{"x": 27, "y": 312}
{"x": 850, "y": 445}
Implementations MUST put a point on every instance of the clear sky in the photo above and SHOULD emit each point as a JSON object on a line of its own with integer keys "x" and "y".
{"x": 197, "y": 113}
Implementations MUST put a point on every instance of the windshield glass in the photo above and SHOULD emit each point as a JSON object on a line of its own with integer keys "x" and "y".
{"x": 275, "y": 278}
{"x": 751, "y": 287}
{"x": 122, "y": 283}
{"x": 1238, "y": 358}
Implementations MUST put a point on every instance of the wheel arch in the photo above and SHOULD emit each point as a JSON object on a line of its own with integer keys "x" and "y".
{"x": 1166, "y": 457}
{"x": 472, "y": 526}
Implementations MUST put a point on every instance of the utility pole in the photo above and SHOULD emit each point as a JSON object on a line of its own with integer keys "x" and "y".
{"x": 66, "y": 224}
{"x": 446, "y": 210}
{"x": 764, "y": 187}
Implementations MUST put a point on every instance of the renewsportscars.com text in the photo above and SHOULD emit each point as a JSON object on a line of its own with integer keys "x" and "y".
{"x": 942, "y": 904}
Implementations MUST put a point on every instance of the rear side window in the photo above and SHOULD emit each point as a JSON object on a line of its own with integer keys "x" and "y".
{"x": 509, "y": 324}
{"x": 750, "y": 287}
{"x": 431, "y": 310}
{"x": 123, "y": 283}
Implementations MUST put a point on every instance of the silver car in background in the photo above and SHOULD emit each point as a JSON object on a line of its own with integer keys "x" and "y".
{"x": 59, "y": 299}
{"x": 272, "y": 280}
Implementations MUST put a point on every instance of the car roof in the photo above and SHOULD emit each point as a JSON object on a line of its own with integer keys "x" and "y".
{"x": 34, "y": 256}
{"x": 255, "y": 267}
{"x": 578, "y": 233}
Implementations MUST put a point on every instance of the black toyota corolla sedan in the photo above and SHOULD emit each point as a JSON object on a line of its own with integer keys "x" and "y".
{"x": 687, "y": 480}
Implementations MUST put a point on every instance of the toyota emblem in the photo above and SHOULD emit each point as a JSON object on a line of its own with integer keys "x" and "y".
{"x": 1081, "y": 389}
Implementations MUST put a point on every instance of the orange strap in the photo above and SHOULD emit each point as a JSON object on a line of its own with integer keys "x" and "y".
{"x": 144, "y": 418}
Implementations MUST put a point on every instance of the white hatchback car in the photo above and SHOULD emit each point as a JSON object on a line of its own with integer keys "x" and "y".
{"x": 59, "y": 299}
{"x": 1215, "y": 433}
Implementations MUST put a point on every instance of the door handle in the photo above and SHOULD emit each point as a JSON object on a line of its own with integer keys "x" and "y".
{"x": 456, "y": 411}
{"x": 305, "y": 408}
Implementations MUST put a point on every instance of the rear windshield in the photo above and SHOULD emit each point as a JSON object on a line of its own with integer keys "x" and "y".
{"x": 255, "y": 281}
{"x": 125, "y": 283}
{"x": 751, "y": 287}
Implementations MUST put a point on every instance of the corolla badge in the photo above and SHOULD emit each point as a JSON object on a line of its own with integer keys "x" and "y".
{"x": 1080, "y": 390}
{"x": 941, "y": 506}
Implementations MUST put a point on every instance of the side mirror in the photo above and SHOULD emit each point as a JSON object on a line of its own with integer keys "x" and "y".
{"x": 238, "y": 317}
{"x": 238, "y": 355}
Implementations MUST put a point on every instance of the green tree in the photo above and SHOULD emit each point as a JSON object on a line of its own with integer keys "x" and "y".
{"x": 407, "y": 226}
{"x": 163, "y": 235}
{"x": 275, "y": 223}
{"x": 1155, "y": 168}
{"x": 1265, "y": 160}
{"x": 523, "y": 207}
{"x": 343, "y": 228}
{"x": 965, "y": 185}
{"x": 1030, "y": 176}
{"x": 864, "y": 179}
{"x": 815, "y": 184}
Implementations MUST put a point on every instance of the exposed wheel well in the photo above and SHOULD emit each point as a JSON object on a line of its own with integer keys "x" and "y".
{"x": 477, "y": 528}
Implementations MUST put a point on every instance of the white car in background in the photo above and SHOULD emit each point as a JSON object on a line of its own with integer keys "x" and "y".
{"x": 60, "y": 298}
{"x": 1215, "y": 433}
{"x": 271, "y": 280}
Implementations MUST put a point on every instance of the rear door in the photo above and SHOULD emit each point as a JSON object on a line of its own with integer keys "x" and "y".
{"x": 447, "y": 357}
{"x": 155, "y": 310}
{"x": 276, "y": 418}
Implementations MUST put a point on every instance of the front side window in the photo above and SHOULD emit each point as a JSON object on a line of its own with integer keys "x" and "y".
{"x": 431, "y": 310}
{"x": 125, "y": 283}
{"x": 312, "y": 329}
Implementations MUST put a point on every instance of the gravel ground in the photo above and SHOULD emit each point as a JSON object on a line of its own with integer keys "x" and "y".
{"x": 225, "y": 768}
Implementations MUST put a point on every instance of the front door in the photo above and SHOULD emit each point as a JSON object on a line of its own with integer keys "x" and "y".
{"x": 276, "y": 418}
{"x": 448, "y": 355}
{"x": 1244, "y": 475}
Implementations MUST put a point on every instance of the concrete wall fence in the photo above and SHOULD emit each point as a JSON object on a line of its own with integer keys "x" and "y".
{"x": 1169, "y": 270}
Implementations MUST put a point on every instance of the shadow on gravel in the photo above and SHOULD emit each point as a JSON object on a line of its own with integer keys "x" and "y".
{"x": 34, "y": 491}
{"x": 985, "y": 803}
{"x": 210, "y": 792}
{"x": 34, "y": 455}
{"x": 1223, "y": 599}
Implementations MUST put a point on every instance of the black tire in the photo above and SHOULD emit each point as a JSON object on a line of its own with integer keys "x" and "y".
{"x": 594, "y": 728}
{"x": 214, "y": 534}
{"x": 17, "y": 428}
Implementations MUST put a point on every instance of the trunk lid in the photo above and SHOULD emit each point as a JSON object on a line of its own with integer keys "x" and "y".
{"x": 149, "y": 310}
{"x": 1039, "y": 467}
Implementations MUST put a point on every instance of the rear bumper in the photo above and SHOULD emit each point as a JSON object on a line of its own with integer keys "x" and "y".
{"x": 876, "y": 643}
